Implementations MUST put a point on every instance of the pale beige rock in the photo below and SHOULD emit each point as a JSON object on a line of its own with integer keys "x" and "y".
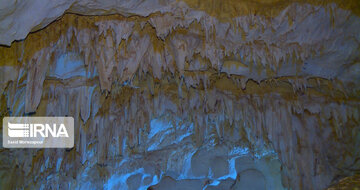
{"x": 36, "y": 75}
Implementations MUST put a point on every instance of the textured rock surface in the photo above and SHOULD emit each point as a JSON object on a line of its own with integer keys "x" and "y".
{"x": 187, "y": 95}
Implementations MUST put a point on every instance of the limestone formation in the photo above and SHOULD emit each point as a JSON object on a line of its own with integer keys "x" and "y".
{"x": 185, "y": 94}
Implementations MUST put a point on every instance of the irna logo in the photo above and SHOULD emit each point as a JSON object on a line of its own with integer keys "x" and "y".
{"x": 36, "y": 130}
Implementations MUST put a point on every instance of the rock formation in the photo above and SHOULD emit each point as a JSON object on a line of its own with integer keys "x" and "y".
{"x": 192, "y": 94}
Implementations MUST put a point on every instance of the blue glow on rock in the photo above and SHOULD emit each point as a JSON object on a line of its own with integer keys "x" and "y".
{"x": 58, "y": 164}
{"x": 69, "y": 65}
{"x": 119, "y": 181}
{"x": 157, "y": 126}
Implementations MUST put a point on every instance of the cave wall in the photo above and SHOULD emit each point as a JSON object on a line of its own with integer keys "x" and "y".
{"x": 192, "y": 94}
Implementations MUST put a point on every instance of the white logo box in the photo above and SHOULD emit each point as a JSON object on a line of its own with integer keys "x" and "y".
{"x": 38, "y": 132}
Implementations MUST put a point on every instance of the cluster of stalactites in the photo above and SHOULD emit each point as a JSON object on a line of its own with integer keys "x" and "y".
{"x": 253, "y": 47}
{"x": 279, "y": 82}
{"x": 298, "y": 126}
